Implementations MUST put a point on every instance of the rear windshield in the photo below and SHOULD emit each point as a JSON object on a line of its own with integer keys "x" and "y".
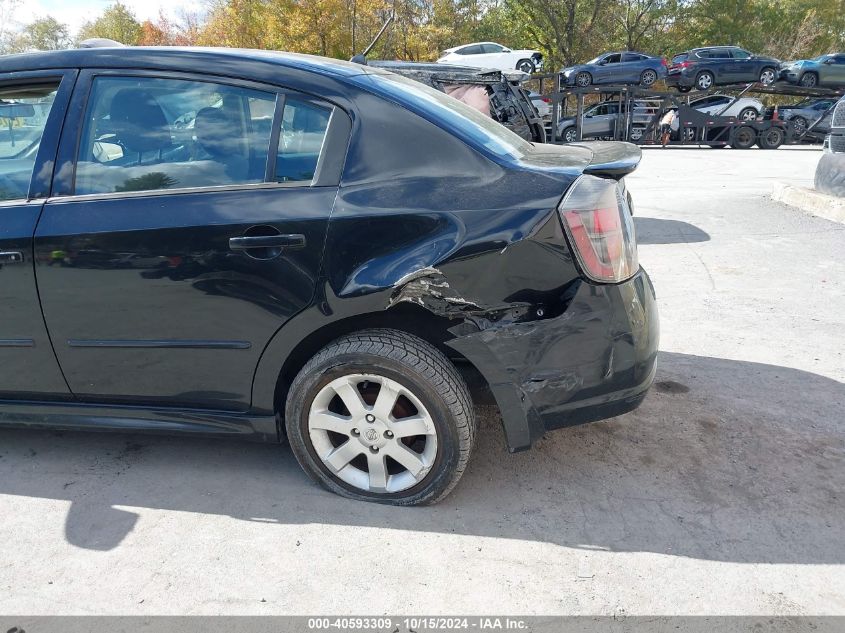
{"x": 677, "y": 59}
{"x": 457, "y": 117}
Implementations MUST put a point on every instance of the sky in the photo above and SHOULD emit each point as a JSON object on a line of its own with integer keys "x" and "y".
{"x": 76, "y": 12}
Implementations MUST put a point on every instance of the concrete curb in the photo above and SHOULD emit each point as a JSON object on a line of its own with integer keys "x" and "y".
{"x": 811, "y": 201}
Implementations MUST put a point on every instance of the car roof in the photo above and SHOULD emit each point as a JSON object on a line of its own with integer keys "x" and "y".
{"x": 438, "y": 68}
{"x": 200, "y": 59}
{"x": 709, "y": 48}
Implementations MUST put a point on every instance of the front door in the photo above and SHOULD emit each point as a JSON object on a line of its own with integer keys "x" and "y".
{"x": 191, "y": 222}
{"x": 32, "y": 108}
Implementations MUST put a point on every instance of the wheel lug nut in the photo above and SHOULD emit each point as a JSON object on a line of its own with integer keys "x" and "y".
{"x": 374, "y": 449}
{"x": 371, "y": 418}
{"x": 388, "y": 434}
{"x": 355, "y": 432}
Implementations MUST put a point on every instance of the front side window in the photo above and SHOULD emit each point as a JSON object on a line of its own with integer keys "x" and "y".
{"x": 613, "y": 59}
{"x": 144, "y": 133}
{"x": 492, "y": 48}
{"x": 738, "y": 53}
{"x": 304, "y": 126}
{"x": 23, "y": 115}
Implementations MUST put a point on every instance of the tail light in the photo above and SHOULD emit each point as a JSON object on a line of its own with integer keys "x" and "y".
{"x": 546, "y": 99}
{"x": 599, "y": 226}
{"x": 664, "y": 62}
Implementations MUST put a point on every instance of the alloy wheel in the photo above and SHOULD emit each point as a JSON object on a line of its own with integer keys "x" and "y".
{"x": 583, "y": 79}
{"x": 767, "y": 77}
{"x": 799, "y": 124}
{"x": 808, "y": 80}
{"x": 373, "y": 433}
{"x": 648, "y": 77}
{"x": 704, "y": 81}
{"x": 749, "y": 114}
{"x": 569, "y": 135}
{"x": 526, "y": 67}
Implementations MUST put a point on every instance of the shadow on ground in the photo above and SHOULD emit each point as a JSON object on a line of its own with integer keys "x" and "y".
{"x": 656, "y": 231}
{"x": 725, "y": 460}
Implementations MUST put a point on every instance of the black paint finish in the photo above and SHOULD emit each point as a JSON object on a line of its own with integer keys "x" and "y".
{"x": 164, "y": 318}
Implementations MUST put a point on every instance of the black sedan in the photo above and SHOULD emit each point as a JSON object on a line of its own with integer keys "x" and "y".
{"x": 703, "y": 68}
{"x": 259, "y": 245}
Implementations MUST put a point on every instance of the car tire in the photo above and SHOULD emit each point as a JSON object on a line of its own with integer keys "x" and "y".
{"x": 569, "y": 135}
{"x": 648, "y": 77}
{"x": 744, "y": 137}
{"x": 799, "y": 125}
{"x": 748, "y": 114}
{"x": 704, "y": 80}
{"x": 683, "y": 88}
{"x": 422, "y": 386}
{"x": 583, "y": 79}
{"x": 526, "y": 66}
{"x": 809, "y": 80}
{"x": 768, "y": 76}
{"x": 771, "y": 138}
{"x": 637, "y": 134}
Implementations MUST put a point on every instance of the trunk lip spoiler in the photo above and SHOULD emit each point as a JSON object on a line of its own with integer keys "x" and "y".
{"x": 611, "y": 159}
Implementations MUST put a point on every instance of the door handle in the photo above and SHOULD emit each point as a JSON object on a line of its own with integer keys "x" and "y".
{"x": 11, "y": 257}
{"x": 291, "y": 240}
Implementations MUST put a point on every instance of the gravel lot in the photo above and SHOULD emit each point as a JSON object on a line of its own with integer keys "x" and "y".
{"x": 724, "y": 493}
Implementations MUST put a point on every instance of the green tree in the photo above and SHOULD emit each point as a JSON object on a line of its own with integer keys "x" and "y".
{"x": 117, "y": 23}
{"x": 43, "y": 34}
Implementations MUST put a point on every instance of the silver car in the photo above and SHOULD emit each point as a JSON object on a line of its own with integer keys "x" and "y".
{"x": 807, "y": 113}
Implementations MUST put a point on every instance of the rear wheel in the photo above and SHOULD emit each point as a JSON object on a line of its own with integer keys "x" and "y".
{"x": 636, "y": 134}
{"x": 526, "y": 66}
{"x": 583, "y": 79}
{"x": 704, "y": 80}
{"x": 748, "y": 114}
{"x": 383, "y": 416}
{"x": 648, "y": 77}
{"x": 768, "y": 76}
{"x": 809, "y": 80}
{"x": 771, "y": 138}
{"x": 744, "y": 137}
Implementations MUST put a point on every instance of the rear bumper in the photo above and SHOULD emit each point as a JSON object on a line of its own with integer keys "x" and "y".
{"x": 594, "y": 361}
{"x": 680, "y": 79}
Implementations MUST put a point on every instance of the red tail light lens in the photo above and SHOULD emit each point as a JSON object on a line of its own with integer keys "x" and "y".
{"x": 598, "y": 223}
{"x": 664, "y": 62}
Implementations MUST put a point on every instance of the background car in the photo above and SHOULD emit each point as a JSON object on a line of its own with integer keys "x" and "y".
{"x": 509, "y": 103}
{"x": 703, "y": 68}
{"x": 824, "y": 70}
{"x": 810, "y": 112}
{"x": 744, "y": 108}
{"x": 492, "y": 55}
{"x": 542, "y": 104}
{"x": 614, "y": 68}
{"x": 600, "y": 121}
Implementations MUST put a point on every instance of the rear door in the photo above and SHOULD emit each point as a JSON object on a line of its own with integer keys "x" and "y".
{"x": 630, "y": 67}
{"x": 32, "y": 109}
{"x": 190, "y": 213}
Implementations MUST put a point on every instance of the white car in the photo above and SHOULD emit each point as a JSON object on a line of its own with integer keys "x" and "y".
{"x": 492, "y": 55}
{"x": 744, "y": 108}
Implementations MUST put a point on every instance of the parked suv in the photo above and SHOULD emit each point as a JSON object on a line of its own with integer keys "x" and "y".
{"x": 260, "y": 245}
{"x": 703, "y": 68}
{"x": 824, "y": 70}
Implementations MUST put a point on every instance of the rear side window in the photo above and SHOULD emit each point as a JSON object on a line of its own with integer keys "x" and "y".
{"x": 632, "y": 57}
{"x": 149, "y": 133}
{"x": 23, "y": 115}
{"x": 469, "y": 50}
{"x": 301, "y": 139}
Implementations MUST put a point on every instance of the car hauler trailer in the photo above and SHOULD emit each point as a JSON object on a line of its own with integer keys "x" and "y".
{"x": 633, "y": 114}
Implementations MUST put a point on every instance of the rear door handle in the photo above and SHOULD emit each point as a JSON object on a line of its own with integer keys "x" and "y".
{"x": 11, "y": 257}
{"x": 291, "y": 240}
